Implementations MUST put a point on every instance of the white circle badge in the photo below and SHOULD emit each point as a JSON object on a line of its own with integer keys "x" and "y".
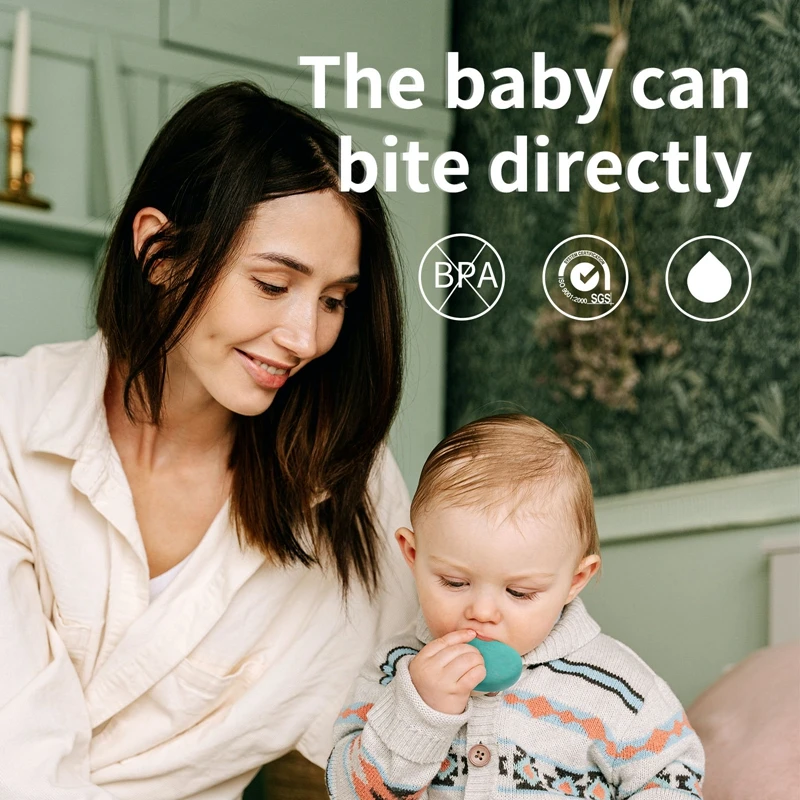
{"x": 442, "y": 277}
{"x": 585, "y": 278}
{"x": 708, "y": 280}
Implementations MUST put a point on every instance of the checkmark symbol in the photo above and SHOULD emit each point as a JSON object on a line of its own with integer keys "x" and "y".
{"x": 585, "y": 276}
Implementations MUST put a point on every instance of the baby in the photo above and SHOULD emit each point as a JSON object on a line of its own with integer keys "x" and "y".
{"x": 504, "y": 539}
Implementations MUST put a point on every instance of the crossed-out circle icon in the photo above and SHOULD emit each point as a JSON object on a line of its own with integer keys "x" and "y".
{"x": 461, "y": 276}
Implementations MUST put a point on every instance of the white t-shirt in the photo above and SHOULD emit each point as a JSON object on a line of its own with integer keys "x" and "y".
{"x": 160, "y": 582}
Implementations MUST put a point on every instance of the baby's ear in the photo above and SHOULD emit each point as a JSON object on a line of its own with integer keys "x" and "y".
{"x": 584, "y": 572}
{"x": 408, "y": 546}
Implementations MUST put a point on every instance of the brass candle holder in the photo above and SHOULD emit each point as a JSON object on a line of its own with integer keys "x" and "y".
{"x": 20, "y": 180}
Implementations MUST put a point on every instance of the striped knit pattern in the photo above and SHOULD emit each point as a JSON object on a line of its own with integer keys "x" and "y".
{"x": 587, "y": 718}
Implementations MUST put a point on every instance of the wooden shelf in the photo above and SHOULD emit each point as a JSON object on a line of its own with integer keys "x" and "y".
{"x": 51, "y": 230}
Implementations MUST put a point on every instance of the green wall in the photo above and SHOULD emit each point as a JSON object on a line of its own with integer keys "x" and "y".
{"x": 727, "y": 401}
{"x": 690, "y": 606}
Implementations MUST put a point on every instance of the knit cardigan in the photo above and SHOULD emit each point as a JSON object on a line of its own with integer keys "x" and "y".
{"x": 587, "y": 718}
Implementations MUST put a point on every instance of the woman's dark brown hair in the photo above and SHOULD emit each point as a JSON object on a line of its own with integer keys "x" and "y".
{"x": 300, "y": 469}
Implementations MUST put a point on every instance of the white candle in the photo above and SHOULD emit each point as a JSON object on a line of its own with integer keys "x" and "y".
{"x": 20, "y": 65}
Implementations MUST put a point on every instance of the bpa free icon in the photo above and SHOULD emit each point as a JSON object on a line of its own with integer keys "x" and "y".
{"x": 463, "y": 271}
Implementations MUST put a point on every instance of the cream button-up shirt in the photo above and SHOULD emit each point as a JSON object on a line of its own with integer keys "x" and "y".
{"x": 106, "y": 695}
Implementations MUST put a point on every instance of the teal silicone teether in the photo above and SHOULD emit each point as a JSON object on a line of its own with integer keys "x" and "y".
{"x": 503, "y": 665}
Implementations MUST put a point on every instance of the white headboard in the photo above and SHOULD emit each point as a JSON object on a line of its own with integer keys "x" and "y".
{"x": 784, "y": 587}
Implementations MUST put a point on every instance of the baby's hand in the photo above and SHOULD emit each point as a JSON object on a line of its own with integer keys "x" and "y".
{"x": 446, "y": 670}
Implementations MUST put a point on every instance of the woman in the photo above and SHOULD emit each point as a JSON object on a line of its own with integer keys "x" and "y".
{"x": 194, "y": 502}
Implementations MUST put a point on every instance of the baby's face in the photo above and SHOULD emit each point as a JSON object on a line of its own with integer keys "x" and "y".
{"x": 506, "y": 578}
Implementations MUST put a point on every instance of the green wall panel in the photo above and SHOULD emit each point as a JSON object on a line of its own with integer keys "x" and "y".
{"x": 386, "y": 35}
{"x": 688, "y": 605}
{"x": 44, "y": 297}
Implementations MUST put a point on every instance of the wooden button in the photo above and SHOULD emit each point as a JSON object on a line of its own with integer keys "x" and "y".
{"x": 479, "y": 755}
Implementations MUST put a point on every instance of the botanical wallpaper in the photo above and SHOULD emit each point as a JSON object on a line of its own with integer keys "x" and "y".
{"x": 658, "y": 398}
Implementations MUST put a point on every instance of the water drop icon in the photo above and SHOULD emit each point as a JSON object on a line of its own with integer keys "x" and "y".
{"x": 709, "y": 280}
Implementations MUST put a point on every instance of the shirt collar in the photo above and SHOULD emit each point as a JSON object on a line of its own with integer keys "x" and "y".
{"x": 71, "y": 418}
{"x": 574, "y": 629}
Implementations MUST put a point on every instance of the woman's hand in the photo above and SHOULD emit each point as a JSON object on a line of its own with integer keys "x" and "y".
{"x": 446, "y": 670}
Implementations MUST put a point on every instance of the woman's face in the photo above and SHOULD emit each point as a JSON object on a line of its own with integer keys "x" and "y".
{"x": 280, "y": 304}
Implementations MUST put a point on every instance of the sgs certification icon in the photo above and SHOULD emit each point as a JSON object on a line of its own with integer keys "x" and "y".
{"x": 585, "y": 277}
